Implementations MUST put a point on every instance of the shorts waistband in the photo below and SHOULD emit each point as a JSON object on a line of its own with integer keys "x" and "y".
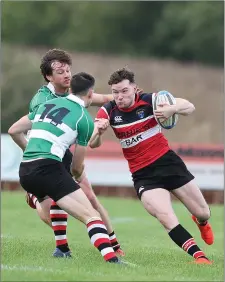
{"x": 32, "y": 160}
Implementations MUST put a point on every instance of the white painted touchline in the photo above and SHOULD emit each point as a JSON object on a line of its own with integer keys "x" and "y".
{"x": 26, "y": 268}
{"x": 5, "y": 236}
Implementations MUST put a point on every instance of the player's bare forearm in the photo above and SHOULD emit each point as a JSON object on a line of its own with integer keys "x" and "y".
{"x": 101, "y": 99}
{"x": 96, "y": 141}
{"x": 78, "y": 173}
{"x": 77, "y": 166}
{"x": 101, "y": 126}
{"x": 17, "y": 130}
{"x": 184, "y": 107}
{"x": 20, "y": 140}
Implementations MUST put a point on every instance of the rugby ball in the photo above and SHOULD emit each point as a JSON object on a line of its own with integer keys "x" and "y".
{"x": 164, "y": 97}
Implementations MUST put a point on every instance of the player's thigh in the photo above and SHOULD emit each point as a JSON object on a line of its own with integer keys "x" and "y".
{"x": 31, "y": 178}
{"x": 158, "y": 203}
{"x": 67, "y": 194}
{"x": 78, "y": 205}
{"x": 191, "y": 196}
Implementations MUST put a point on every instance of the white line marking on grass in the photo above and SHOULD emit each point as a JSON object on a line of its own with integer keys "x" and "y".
{"x": 5, "y": 236}
{"x": 129, "y": 263}
{"x": 26, "y": 268}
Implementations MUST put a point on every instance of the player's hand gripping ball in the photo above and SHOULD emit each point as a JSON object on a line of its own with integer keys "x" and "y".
{"x": 164, "y": 110}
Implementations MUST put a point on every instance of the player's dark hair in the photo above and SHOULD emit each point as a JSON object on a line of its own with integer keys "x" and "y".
{"x": 121, "y": 75}
{"x": 51, "y": 56}
{"x": 81, "y": 83}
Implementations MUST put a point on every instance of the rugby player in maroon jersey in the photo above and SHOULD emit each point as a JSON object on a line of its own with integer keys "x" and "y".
{"x": 156, "y": 170}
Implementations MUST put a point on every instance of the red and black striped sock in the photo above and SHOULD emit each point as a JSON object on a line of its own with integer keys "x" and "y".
{"x": 31, "y": 200}
{"x": 113, "y": 240}
{"x": 185, "y": 241}
{"x": 34, "y": 199}
{"x": 98, "y": 234}
{"x": 59, "y": 225}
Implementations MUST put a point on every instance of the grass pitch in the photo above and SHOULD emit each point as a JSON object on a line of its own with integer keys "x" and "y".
{"x": 27, "y": 246}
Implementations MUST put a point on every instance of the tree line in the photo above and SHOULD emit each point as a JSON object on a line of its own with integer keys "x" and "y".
{"x": 187, "y": 31}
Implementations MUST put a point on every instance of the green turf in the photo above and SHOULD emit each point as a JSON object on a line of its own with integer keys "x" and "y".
{"x": 27, "y": 245}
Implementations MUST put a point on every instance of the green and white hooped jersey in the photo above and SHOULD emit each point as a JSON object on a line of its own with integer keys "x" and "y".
{"x": 44, "y": 94}
{"x": 57, "y": 124}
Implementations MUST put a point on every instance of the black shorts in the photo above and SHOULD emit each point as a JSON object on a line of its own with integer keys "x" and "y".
{"x": 168, "y": 172}
{"x": 67, "y": 160}
{"x": 46, "y": 177}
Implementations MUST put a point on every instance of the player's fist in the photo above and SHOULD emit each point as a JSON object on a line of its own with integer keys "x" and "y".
{"x": 102, "y": 124}
{"x": 165, "y": 111}
{"x": 139, "y": 91}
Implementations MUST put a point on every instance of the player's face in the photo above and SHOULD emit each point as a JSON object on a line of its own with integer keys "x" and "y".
{"x": 61, "y": 75}
{"x": 124, "y": 93}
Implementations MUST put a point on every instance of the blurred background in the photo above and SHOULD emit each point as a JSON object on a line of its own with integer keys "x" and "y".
{"x": 174, "y": 46}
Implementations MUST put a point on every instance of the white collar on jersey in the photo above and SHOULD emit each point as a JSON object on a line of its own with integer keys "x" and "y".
{"x": 70, "y": 96}
{"x": 51, "y": 87}
{"x": 75, "y": 99}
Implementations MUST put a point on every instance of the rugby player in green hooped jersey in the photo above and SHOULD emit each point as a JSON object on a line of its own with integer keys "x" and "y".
{"x": 54, "y": 127}
{"x": 55, "y": 68}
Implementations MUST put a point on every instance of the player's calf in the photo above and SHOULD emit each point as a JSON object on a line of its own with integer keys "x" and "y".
{"x": 87, "y": 189}
{"x": 59, "y": 225}
{"x": 100, "y": 239}
{"x": 157, "y": 202}
{"x": 184, "y": 240}
{"x": 42, "y": 210}
{"x": 77, "y": 204}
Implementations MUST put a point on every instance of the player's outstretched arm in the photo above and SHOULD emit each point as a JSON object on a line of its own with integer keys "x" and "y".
{"x": 17, "y": 130}
{"x": 101, "y": 99}
{"x": 83, "y": 136}
{"x": 101, "y": 126}
{"x": 184, "y": 107}
{"x": 96, "y": 140}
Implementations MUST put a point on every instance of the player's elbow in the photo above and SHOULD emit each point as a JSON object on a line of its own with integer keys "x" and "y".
{"x": 187, "y": 109}
{"x": 191, "y": 109}
{"x": 93, "y": 145}
{"x": 77, "y": 170}
{"x": 12, "y": 131}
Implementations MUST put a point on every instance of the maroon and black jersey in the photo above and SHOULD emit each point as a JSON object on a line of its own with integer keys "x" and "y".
{"x": 137, "y": 130}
